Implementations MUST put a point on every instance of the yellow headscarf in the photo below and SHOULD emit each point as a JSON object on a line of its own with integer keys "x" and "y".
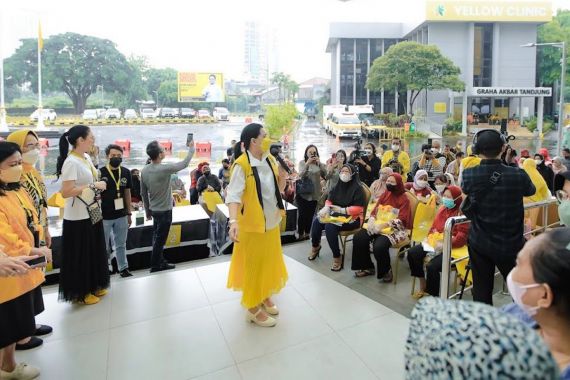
{"x": 470, "y": 161}
{"x": 19, "y": 137}
{"x": 542, "y": 192}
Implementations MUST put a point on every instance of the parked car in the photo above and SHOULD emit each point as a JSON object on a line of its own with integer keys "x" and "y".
{"x": 187, "y": 113}
{"x": 148, "y": 113}
{"x": 221, "y": 113}
{"x": 130, "y": 114}
{"x": 166, "y": 113}
{"x": 47, "y": 114}
{"x": 112, "y": 113}
{"x": 204, "y": 114}
{"x": 176, "y": 112}
{"x": 90, "y": 115}
{"x": 373, "y": 127}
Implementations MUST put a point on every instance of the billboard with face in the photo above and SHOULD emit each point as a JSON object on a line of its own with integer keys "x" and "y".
{"x": 201, "y": 87}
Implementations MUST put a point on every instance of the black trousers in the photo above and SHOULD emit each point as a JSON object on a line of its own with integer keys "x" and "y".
{"x": 361, "y": 259}
{"x": 306, "y": 210}
{"x": 416, "y": 256}
{"x": 483, "y": 269}
{"x": 160, "y": 229}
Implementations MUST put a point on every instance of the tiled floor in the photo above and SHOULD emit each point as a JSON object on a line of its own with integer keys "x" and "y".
{"x": 185, "y": 324}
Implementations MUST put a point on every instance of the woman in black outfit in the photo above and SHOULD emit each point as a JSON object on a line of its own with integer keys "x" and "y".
{"x": 544, "y": 170}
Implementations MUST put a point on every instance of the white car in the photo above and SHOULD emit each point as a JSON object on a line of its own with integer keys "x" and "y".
{"x": 148, "y": 113}
{"x": 113, "y": 113}
{"x": 47, "y": 114}
{"x": 90, "y": 115}
{"x": 130, "y": 114}
{"x": 221, "y": 113}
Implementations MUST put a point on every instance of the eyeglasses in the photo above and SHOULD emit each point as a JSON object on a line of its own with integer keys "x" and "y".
{"x": 32, "y": 146}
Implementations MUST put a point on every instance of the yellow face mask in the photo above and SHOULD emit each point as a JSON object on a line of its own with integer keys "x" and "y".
{"x": 265, "y": 144}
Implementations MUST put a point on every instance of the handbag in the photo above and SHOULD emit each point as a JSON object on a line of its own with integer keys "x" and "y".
{"x": 304, "y": 186}
{"x": 94, "y": 211}
{"x": 469, "y": 205}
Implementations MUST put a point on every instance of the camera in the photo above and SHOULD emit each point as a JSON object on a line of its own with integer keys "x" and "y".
{"x": 360, "y": 154}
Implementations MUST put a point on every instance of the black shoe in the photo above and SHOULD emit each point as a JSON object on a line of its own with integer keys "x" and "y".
{"x": 165, "y": 266}
{"x": 33, "y": 343}
{"x": 43, "y": 330}
{"x": 125, "y": 273}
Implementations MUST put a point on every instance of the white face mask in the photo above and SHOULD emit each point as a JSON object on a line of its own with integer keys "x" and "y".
{"x": 538, "y": 162}
{"x": 422, "y": 183}
{"x": 517, "y": 291}
{"x": 440, "y": 188}
{"x": 395, "y": 147}
{"x": 345, "y": 177}
{"x": 31, "y": 157}
{"x": 368, "y": 151}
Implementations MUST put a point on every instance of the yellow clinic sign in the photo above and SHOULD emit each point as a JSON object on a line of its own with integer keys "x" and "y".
{"x": 201, "y": 87}
{"x": 489, "y": 11}
{"x": 440, "y": 107}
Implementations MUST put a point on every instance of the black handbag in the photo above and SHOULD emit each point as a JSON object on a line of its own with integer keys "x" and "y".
{"x": 304, "y": 186}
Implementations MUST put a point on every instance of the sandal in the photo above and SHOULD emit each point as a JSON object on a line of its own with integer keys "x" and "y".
{"x": 314, "y": 253}
{"x": 420, "y": 294}
{"x": 364, "y": 273}
{"x": 337, "y": 266}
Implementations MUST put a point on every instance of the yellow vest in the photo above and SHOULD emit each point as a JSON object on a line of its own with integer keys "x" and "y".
{"x": 250, "y": 217}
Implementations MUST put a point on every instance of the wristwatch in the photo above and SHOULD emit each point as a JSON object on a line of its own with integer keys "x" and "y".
{"x": 92, "y": 186}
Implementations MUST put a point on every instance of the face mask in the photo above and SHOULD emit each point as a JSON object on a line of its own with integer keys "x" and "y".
{"x": 440, "y": 188}
{"x": 564, "y": 212}
{"x": 345, "y": 177}
{"x": 368, "y": 151}
{"x": 31, "y": 157}
{"x": 517, "y": 291}
{"x": 11, "y": 175}
{"x": 207, "y": 172}
{"x": 340, "y": 158}
{"x": 448, "y": 203}
{"x": 115, "y": 161}
{"x": 265, "y": 144}
{"x": 395, "y": 147}
{"x": 434, "y": 150}
{"x": 538, "y": 162}
{"x": 422, "y": 183}
{"x": 390, "y": 187}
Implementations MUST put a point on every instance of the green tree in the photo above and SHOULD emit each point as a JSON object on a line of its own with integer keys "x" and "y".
{"x": 280, "y": 79}
{"x": 291, "y": 89}
{"x": 414, "y": 67}
{"x": 168, "y": 93}
{"x": 153, "y": 78}
{"x": 279, "y": 119}
{"x": 72, "y": 63}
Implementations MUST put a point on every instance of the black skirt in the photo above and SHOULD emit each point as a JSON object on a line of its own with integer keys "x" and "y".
{"x": 17, "y": 319}
{"x": 84, "y": 267}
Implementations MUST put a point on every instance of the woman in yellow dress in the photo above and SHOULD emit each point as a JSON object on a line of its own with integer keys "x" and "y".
{"x": 256, "y": 209}
{"x": 542, "y": 192}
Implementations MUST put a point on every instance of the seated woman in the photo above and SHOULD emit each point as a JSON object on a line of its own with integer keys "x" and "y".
{"x": 451, "y": 200}
{"x": 420, "y": 187}
{"x": 540, "y": 287}
{"x": 345, "y": 199}
{"x": 383, "y": 235}
{"x": 378, "y": 187}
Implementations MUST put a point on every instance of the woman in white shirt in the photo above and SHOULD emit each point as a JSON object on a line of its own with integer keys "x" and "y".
{"x": 256, "y": 208}
{"x": 84, "y": 274}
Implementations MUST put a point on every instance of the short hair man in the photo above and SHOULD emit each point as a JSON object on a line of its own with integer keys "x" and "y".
{"x": 396, "y": 158}
{"x": 208, "y": 181}
{"x": 496, "y": 232}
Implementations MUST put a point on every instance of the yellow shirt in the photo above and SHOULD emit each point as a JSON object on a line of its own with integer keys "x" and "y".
{"x": 403, "y": 159}
{"x": 16, "y": 239}
{"x": 542, "y": 193}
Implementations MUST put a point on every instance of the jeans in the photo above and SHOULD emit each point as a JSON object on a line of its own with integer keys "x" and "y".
{"x": 160, "y": 228}
{"x": 116, "y": 230}
{"x": 331, "y": 232}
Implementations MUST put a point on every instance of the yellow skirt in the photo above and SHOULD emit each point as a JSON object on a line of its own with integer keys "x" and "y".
{"x": 257, "y": 267}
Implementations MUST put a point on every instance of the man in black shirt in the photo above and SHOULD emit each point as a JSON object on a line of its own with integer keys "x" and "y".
{"x": 496, "y": 233}
{"x": 208, "y": 181}
{"x": 116, "y": 205}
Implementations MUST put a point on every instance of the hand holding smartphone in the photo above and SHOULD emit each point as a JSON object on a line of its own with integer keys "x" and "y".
{"x": 38, "y": 262}
{"x": 190, "y": 139}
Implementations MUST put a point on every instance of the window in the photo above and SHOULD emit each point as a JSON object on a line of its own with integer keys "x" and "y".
{"x": 361, "y": 70}
{"x": 346, "y": 70}
{"x": 483, "y": 55}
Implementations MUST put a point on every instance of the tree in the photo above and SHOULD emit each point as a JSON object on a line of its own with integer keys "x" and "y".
{"x": 154, "y": 77}
{"x": 168, "y": 93}
{"x": 280, "y": 79}
{"x": 72, "y": 63}
{"x": 279, "y": 119}
{"x": 414, "y": 67}
{"x": 291, "y": 88}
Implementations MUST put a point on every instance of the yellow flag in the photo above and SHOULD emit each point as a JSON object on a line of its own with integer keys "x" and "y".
{"x": 40, "y": 38}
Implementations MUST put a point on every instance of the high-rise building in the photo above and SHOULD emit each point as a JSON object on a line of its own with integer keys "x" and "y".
{"x": 261, "y": 52}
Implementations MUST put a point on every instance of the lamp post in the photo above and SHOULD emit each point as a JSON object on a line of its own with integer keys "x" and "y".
{"x": 560, "y": 45}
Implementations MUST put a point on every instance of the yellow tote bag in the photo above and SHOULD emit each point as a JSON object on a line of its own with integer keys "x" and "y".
{"x": 458, "y": 253}
{"x": 211, "y": 199}
{"x": 423, "y": 219}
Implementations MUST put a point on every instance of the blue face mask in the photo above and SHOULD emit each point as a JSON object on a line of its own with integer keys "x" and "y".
{"x": 448, "y": 203}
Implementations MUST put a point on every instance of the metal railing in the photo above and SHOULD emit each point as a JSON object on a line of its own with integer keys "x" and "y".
{"x": 447, "y": 262}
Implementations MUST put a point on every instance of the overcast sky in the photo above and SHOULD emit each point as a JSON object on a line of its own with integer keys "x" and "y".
{"x": 199, "y": 35}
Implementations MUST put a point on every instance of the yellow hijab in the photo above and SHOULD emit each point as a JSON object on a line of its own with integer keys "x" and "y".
{"x": 470, "y": 161}
{"x": 19, "y": 137}
{"x": 542, "y": 192}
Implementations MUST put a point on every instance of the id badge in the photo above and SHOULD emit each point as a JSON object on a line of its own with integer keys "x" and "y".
{"x": 119, "y": 204}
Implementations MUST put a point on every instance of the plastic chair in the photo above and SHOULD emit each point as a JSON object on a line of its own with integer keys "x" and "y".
{"x": 345, "y": 235}
{"x": 403, "y": 246}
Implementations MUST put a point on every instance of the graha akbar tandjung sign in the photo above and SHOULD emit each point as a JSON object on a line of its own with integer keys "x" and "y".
{"x": 510, "y": 91}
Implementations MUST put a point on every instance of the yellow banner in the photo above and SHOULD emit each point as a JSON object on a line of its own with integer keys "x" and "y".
{"x": 201, "y": 87}
{"x": 440, "y": 107}
{"x": 524, "y": 11}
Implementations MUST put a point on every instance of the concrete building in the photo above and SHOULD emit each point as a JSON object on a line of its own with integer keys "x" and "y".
{"x": 261, "y": 52}
{"x": 482, "y": 38}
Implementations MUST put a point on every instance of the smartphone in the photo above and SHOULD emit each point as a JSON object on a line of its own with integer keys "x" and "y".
{"x": 189, "y": 138}
{"x": 37, "y": 262}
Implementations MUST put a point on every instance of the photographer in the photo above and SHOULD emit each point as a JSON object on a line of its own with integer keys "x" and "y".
{"x": 429, "y": 163}
{"x": 208, "y": 181}
{"x": 397, "y": 159}
{"x": 311, "y": 171}
{"x": 368, "y": 165}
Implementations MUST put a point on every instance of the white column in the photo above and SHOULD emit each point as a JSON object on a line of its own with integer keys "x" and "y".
{"x": 539, "y": 114}
{"x": 495, "y": 57}
{"x": 336, "y": 99}
{"x": 468, "y": 74}
{"x": 464, "y": 115}
{"x": 408, "y": 108}
{"x": 382, "y": 101}
{"x": 368, "y": 65}
{"x": 451, "y": 103}
{"x": 396, "y": 101}
{"x": 354, "y": 73}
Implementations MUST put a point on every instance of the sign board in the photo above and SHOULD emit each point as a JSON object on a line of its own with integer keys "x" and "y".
{"x": 201, "y": 87}
{"x": 440, "y": 107}
{"x": 508, "y": 92}
{"x": 489, "y": 11}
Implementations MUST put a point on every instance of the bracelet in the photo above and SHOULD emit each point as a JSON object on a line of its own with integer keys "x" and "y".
{"x": 232, "y": 221}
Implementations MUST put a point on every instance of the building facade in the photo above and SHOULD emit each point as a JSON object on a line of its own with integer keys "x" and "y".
{"x": 261, "y": 52}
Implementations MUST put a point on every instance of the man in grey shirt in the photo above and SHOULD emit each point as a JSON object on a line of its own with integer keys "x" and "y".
{"x": 157, "y": 199}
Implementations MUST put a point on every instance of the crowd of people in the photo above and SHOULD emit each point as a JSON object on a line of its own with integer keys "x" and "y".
{"x": 370, "y": 193}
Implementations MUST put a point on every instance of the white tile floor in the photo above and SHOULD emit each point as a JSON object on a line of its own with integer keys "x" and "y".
{"x": 185, "y": 324}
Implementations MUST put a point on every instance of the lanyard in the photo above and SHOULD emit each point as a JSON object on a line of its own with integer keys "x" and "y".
{"x": 27, "y": 209}
{"x": 93, "y": 171}
{"x": 36, "y": 185}
{"x": 117, "y": 182}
